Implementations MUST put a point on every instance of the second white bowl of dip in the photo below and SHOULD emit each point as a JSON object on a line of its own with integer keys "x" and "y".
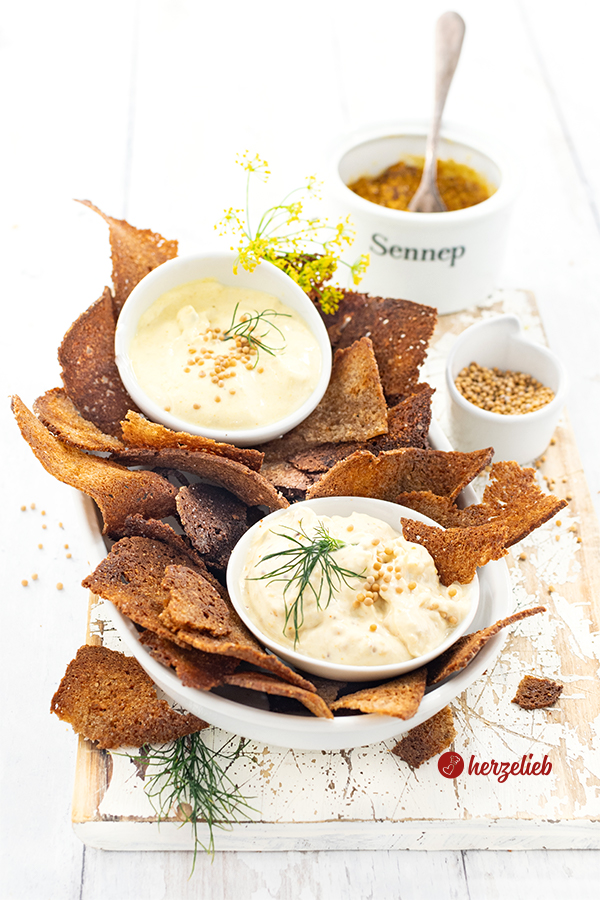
{"x": 390, "y": 513}
{"x": 265, "y": 278}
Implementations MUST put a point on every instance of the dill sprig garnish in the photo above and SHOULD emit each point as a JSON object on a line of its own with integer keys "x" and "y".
{"x": 247, "y": 327}
{"x": 307, "y": 555}
{"x": 190, "y": 780}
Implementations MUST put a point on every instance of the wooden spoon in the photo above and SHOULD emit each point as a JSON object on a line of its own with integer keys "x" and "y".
{"x": 449, "y": 34}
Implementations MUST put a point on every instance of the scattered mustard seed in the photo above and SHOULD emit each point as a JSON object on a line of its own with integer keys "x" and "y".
{"x": 40, "y": 546}
{"x": 551, "y": 588}
{"x": 558, "y": 522}
{"x": 23, "y": 508}
{"x": 569, "y": 497}
{"x": 34, "y": 577}
{"x": 412, "y": 585}
{"x": 43, "y": 512}
{"x": 33, "y": 506}
{"x": 44, "y": 526}
{"x": 68, "y": 556}
{"x": 24, "y": 582}
{"x": 522, "y": 556}
{"x": 373, "y": 627}
{"x": 59, "y": 586}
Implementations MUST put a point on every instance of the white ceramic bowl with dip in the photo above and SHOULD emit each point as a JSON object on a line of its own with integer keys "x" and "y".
{"x": 390, "y": 513}
{"x": 500, "y": 342}
{"x": 265, "y": 278}
{"x": 449, "y": 260}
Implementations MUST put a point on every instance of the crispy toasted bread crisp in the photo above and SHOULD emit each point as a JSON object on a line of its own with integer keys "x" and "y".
{"x": 194, "y": 602}
{"x": 535, "y": 693}
{"x": 60, "y": 416}
{"x": 140, "y": 433}
{"x": 107, "y": 697}
{"x": 250, "y": 486}
{"x": 512, "y": 499}
{"x": 255, "y": 681}
{"x": 458, "y": 552}
{"x": 394, "y": 471}
{"x": 427, "y": 739}
{"x": 288, "y": 480}
{"x": 400, "y": 332}
{"x": 202, "y": 671}
{"x": 117, "y": 491}
{"x": 400, "y": 697}
{"x": 467, "y": 647}
{"x": 89, "y": 371}
{"x": 213, "y": 519}
{"x": 134, "y": 253}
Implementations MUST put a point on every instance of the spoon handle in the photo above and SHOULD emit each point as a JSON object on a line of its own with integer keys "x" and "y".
{"x": 449, "y": 34}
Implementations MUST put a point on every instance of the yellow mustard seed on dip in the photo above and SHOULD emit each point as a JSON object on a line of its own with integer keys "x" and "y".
{"x": 505, "y": 392}
{"x": 261, "y": 359}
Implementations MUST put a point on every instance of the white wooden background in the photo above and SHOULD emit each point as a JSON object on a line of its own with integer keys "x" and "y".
{"x": 141, "y": 106}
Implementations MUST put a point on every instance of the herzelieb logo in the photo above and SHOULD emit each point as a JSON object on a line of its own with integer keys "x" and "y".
{"x": 451, "y": 765}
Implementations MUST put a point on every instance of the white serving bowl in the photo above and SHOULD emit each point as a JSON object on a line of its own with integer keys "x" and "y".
{"x": 500, "y": 342}
{"x": 266, "y": 277}
{"x": 448, "y": 260}
{"x": 391, "y": 513}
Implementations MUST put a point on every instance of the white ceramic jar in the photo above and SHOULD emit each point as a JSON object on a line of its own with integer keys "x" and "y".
{"x": 448, "y": 260}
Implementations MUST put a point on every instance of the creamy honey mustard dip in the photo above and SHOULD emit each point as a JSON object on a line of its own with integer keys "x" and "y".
{"x": 394, "y": 609}
{"x": 224, "y": 357}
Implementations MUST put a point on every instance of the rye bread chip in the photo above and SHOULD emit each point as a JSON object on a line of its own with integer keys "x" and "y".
{"x": 139, "y": 432}
{"x": 288, "y": 480}
{"x": 195, "y": 669}
{"x": 60, "y": 416}
{"x": 512, "y": 498}
{"x": 194, "y": 602}
{"x": 254, "y": 681}
{"x": 427, "y": 739}
{"x": 117, "y": 491}
{"x": 89, "y": 371}
{"x": 400, "y": 332}
{"x": 399, "y": 698}
{"x": 395, "y": 471}
{"x": 536, "y": 693}
{"x": 213, "y": 519}
{"x": 467, "y": 647}
{"x": 458, "y": 552}
{"x": 107, "y": 697}
{"x": 134, "y": 252}
{"x": 250, "y": 486}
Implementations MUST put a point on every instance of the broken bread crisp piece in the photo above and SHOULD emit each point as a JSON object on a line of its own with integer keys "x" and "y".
{"x": 107, "y": 697}
{"x": 89, "y": 371}
{"x": 255, "y": 681}
{"x": 202, "y": 671}
{"x": 427, "y": 739}
{"x": 134, "y": 252}
{"x": 536, "y": 693}
{"x": 194, "y": 603}
{"x": 400, "y": 697}
{"x": 59, "y": 414}
{"x": 458, "y": 552}
{"x": 385, "y": 476}
{"x": 214, "y": 520}
{"x": 117, "y": 491}
{"x": 139, "y": 432}
{"x": 460, "y": 654}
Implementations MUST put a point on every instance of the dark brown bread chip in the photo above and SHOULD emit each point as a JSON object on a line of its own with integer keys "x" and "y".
{"x": 195, "y": 669}
{"x": 458, "y": 552}
{"x": 254, "y": 681}
{"x": 535, "y": 693}
{"x": 400, "y": 332}
{"x": 467, "y": 647}
{"x": 327, "y": 689}
{"x": 213, "y": 519}
{"x": 89, "y": 371}
{"x": 288, "y": 480}
{"x": 408, "y": 423}
{"x": 250, "y": 486}
{"x": 117, "y": 491}
{"x": 107, "y": 697}
{"x": 394, "y": 471}
{"x": 139, "y": 432}
{"x": 400, "y": 697}
{"x": 427, "y": 739}
{"x": 134, "y": 253}
{"x": 194, "y": 602}
{"x": 60, "y": 416}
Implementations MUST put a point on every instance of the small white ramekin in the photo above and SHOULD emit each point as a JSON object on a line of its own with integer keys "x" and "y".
{"x": 391, "y": 513}
{"x": 266, "y": 277}
{"x": 448, "y": 260}
{"x": 499, "y": 341}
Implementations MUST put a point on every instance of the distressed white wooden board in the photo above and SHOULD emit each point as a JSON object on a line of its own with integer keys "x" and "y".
{"x": 367, "y": 796}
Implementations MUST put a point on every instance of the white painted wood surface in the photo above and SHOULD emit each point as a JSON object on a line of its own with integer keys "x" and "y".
{"x": 141, "y": 106}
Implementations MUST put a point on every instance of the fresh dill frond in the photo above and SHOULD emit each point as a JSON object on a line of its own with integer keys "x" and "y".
{"x": 306, "y": 556}
{"x": 247, "y": 325}
{"x": 190, "y": 780}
